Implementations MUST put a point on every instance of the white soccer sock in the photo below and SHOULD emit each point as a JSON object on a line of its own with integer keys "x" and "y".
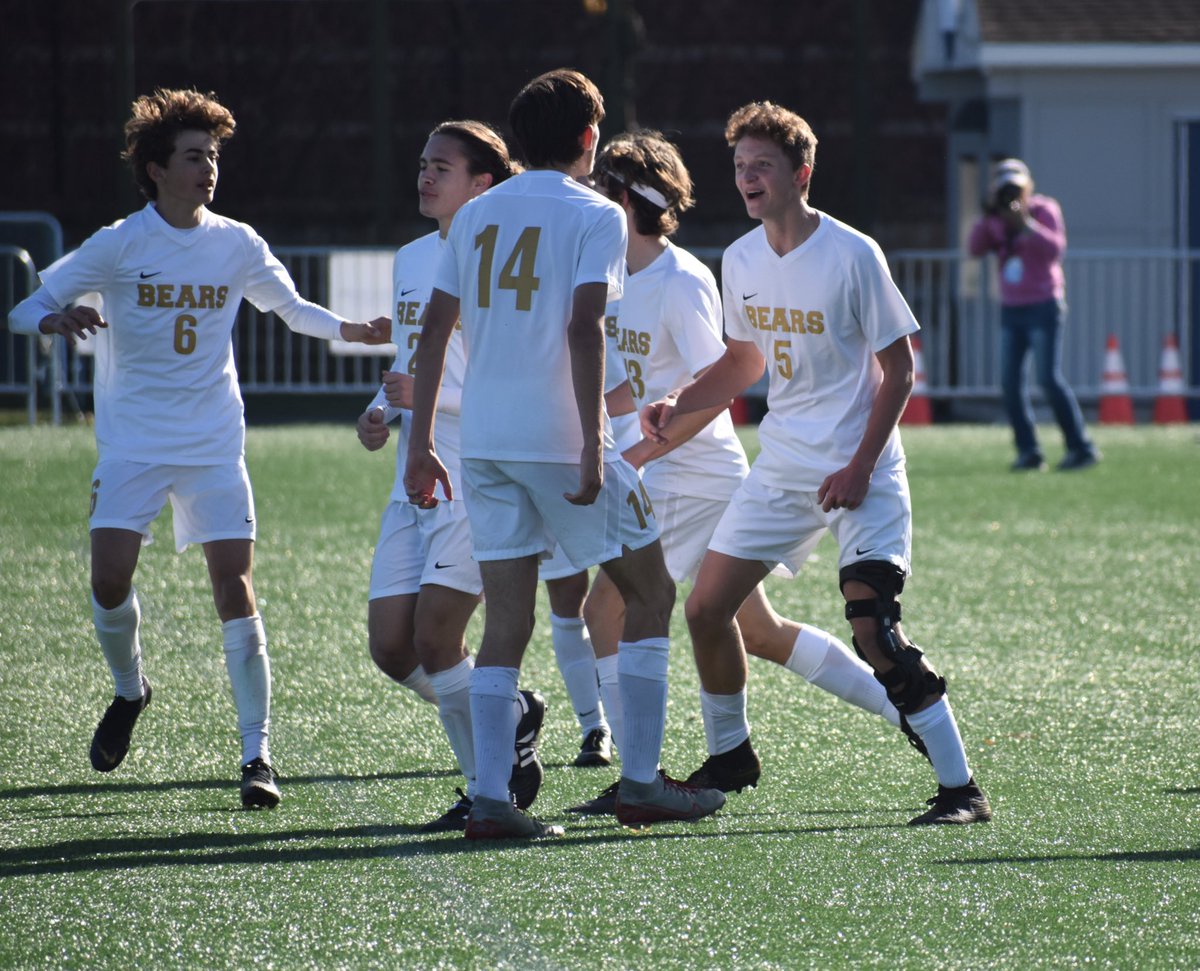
{"x": 610, "y": 693}
{"x": 577, "y": 664}
{"x": 939, "y": 732}
{"x": 117, "y": 632}
{"x": 419, "y": 684}
{"x": 642, "y": 670}
{"x": 452, "y": 689}
{"x": 725, "y": 724}
{"x": 494, "y": 715}
{"x": 249, "y": 669}
{"x": 825, "y": 661}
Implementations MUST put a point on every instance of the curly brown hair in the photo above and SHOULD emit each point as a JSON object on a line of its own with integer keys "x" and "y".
{"x": 646, "y": 158}
{"x": 762, "y": 119}
{"x": 156, "y": 121}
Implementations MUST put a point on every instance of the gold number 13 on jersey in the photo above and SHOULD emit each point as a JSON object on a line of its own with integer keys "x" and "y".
{"x": 517, "y": 272}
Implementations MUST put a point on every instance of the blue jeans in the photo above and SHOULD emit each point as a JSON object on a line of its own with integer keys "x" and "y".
{"x": 1038, "y": 328}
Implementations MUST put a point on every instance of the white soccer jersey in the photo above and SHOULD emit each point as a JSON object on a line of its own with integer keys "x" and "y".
{"x": 665, "y": 328}
{"x": 165, "y": 384}
{"x": 515, "y": 256}
{"x": 412, "y": 282}
{"x": 818, "y": 314}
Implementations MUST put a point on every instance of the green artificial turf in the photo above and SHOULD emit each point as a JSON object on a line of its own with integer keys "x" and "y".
{"x": 1061, "y": 608}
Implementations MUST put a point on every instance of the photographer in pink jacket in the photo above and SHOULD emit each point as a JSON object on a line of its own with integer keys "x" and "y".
{"x": 1027, "y": 233}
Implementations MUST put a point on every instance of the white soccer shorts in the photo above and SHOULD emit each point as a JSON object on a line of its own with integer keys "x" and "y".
{"x": 423, "y": 546}
{"x": 687, "y": 524}
{"x": 780, "y": 527}
{"x": 517, "y": 509}
{"x": 556, "y": 566}
{"x": 210, "y": 502}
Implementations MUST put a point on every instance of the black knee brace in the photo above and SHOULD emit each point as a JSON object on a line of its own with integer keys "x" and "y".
{"x": 908, "y": 683}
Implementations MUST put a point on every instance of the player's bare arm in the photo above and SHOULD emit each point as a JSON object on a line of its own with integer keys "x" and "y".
{"x": 424, "y": 470}
{"x": 377, "y": 331}
{"x": 619, "y": 401}
{"x": 684, "y": 427}
{"x": 585, "y": 338}
{"x": 372, "y": 429}
{"x": 847, "y": 488}
{"x": 74, "y": 324}
{"x": 733, "y": 372}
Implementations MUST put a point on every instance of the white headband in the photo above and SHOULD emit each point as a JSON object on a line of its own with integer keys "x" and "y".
{"x": 647, "y": 192}
{"x": 650, "y": 194}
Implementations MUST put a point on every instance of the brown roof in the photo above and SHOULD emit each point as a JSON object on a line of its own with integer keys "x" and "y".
{"x": 1089, "y": 21}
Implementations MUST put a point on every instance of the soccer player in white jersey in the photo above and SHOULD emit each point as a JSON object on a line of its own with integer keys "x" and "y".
{"x": 424, "y": 583}
{"x": 531, "y": 264}
{"x": 169, "y": 416}
{"x": 812, "y": 300}
{"x": 666, "y": 329}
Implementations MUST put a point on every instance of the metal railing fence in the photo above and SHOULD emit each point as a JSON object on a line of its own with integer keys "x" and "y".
{"x": 1140, "y": 296}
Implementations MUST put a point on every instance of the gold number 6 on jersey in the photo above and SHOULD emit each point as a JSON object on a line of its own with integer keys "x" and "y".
{"x": 185, "y": 334}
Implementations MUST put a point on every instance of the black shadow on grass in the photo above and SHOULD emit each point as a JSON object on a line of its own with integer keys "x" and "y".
{"x": 1193, "y": 791}
{"x": 100, "y": 788}
{"x": 1118, "y": 856}
{"x": 387, "y": 842}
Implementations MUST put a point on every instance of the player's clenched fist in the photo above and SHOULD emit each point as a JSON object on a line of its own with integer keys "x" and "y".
{"x": 398, "y": 387}
{"x": 372, "y": 429}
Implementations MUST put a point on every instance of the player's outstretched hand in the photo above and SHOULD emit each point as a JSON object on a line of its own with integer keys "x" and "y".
{"x": 844, "y": 489}
{"x": 655, "y": 418}
{"x": 74, "y": 324}
{"x": 399, "y": 389}
{"x": 421, "y": 476}
{"x": 372, "y": 430}
{"x": 377, "y": 331}
{"x": 591, "y": 477}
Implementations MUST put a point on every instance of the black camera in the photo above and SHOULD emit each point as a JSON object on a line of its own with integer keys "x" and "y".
{"x": 1006, "y": 198}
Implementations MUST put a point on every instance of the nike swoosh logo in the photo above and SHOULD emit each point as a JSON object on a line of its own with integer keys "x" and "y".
{"x": 405, "y": 293}
{"x": 750, "y": 296}
{"x": 146, "y": 276}
{"x": 442, "y": 566}
{"x": 249, "y": 519}
{"x": 858, "y": 552}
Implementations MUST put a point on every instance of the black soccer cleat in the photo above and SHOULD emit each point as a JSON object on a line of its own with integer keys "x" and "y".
{"x": 730, "y": 771}
{"x": 259, "y": 790}
{"x": 454, "y": 818}
{"x": 527, "y": 773}
{"x": 596, "y": 749}
{"x": 498, "y": 819}
{"x": 663, "y": 800}
{"x": 110, "y": 743}
{"x": 605, "y": 804}
{"x": 956, "y": 807}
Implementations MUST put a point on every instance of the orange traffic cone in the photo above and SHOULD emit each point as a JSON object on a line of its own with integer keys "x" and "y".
{"x": 918, "y": 411}
{"x": 1116, "y": 406}
{"x": 1170, "y": 407}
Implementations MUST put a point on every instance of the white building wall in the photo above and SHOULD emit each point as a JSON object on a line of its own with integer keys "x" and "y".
{"x": 1103, "y": 142}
